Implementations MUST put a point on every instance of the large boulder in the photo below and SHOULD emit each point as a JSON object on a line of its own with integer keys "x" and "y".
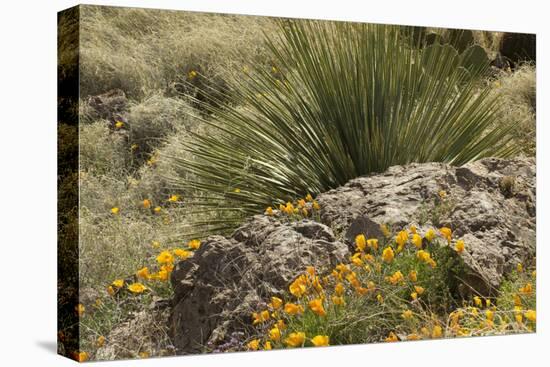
{"x": 490, "y": 204}
{"x": 216, "y": 290}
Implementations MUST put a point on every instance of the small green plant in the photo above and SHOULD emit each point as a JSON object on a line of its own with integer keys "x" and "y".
{"x": 507, "y": 184}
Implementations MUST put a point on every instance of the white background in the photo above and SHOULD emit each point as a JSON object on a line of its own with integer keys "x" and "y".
{"x": 28, "y": 182}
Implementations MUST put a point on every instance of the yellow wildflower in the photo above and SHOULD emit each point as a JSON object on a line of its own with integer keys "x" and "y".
{"x": 267, "y": 345}
{"x": 413, "y": 336}
{"x": 144, "y": 355}
{"x": 165, "y": 257}
{"x": 281, "y": 324}
{"x": 298, "y": 287}
{"x": 442, "y": 194}
{"x": 401, "y": 239}
{"x": 338, "y": 300}
{"x": 100, "y": 341}
{"x": 309, "y": 197}
{"x": 395, "y": 277}
{"x": 459, "y": 246}
{"x": 155, "y": 244}
{"x": 414, "y": 296}
{"x": 192, "y": 74}
{"x": 423, "y": 255}
{"x": 489, "y": 314}
{"x": 181, "y": 253}
{"x": 361, "y": 242}
{"x": 253, "y": 344}
{"x": 339, "y": 289}
{"x": 157, "y": 209}
{"x": 143, "y": 273}
{"x": 477, "y": 301}
{"x": 137, "y": 288}
{"x": 372, "y": 243}
{"x": 81, "y": 356}
{"x": 295, "y": 339}
{"x": 315, "y": 205}
{"x": 119, "y": 124}
{"x": 527, "y": 289}
{"x": 407, "y": 314}
{"x": 111, "y": 291}
{"x": 379, "y": 298}
{"x": 417, "y": 240}
{"x": 293, "y": 309}
{"x": 517, "y": 300}
{"x": 437, "y": 332}
{"x": 79, "y": 308}
{"x": 275, "y": 334}
{"x": 276, "y": 303}
{"x": 162, "y": 275}
{"x": 194, "y": 244}
{"x": 531, "y": 315}
{"x": 301, "y": 203}
{"x": 391, "y": 337}
{"x": 146, "y": 203}
{"x": 260, "y": 317}
{"x": 269, "y": 211}
{"x": 418, "y": 289}
{"x": 119, "y": 283}
{"x": 519, "y": 318}
{"x": 430, "y": 235}
{"x": 412, "y": 228}
{"x": 446, "y": 233}
{"x": 115, "y": 210}
{"x": 413, "y": 276}
{"x": 388, "y": 254}
{"x": 520, "y": 268}
{"x": 320, "y": 340}
{"x": 174, "y": 198}
{"x": 316, "y": 306}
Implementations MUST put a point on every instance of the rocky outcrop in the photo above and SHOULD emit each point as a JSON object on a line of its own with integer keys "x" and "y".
{"x": 489, "y": 203}
{"x": 227, "y": 278}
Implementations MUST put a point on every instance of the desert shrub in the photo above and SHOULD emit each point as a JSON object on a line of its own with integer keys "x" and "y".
{"x": 144, "y": 50}
{"x": 517, "y": 90}
{"x": 394, "y": 288}
{"x": 342, "y": 100}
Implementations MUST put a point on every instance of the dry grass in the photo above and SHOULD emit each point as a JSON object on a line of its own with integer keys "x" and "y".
{"x": 144, "y": 50}
{"x": 518, "y": 92}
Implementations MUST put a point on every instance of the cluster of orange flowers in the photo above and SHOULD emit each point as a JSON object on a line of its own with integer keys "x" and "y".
{"x": 322, "y": 296}
{"x": 301, "y": 208}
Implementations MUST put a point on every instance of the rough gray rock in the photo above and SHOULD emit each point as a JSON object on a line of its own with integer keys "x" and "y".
{"x": 217, "y": 289}
{"x": 492, "y": 207}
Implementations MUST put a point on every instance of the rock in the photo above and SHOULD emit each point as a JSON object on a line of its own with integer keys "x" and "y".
{"x": 492, "y": 207}
{"x": 216, "y": 290}
{"x": 112, "y": 106}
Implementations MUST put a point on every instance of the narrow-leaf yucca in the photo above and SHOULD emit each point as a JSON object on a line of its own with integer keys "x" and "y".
{"x": 342, "y": 100}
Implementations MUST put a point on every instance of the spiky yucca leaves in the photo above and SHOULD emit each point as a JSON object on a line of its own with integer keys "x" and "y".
{"x": 342, "y": 100}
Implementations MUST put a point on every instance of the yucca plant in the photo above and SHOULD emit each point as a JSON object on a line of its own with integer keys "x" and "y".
{"x": 342, "y": 100}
